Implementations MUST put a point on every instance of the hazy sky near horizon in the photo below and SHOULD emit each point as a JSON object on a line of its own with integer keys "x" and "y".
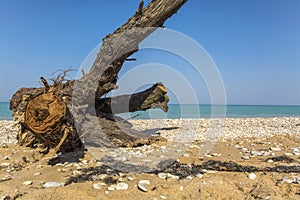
{"x": 254, "y": 43}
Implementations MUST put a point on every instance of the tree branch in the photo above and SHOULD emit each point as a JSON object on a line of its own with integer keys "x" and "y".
{"x": 153, "y": 97}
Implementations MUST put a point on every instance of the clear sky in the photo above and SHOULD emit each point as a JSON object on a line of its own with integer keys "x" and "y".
{"x": 254, "y": 43}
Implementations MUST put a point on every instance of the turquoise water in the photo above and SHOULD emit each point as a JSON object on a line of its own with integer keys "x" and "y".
{"x": 206, "y": 111}
{"x": 5, "y": 113}
{"x": 199, "y": 111}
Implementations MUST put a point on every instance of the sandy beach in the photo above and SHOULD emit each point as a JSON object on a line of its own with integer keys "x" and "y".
{"x": 254, "y": 158}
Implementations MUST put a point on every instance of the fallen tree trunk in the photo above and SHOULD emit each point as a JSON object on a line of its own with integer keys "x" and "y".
{"x": 46, "y": 115}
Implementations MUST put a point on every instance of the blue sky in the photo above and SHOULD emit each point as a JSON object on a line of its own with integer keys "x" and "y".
{"x": 254, "y": 43}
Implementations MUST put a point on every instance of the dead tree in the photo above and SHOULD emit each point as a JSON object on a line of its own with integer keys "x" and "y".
{"x": 46, "y": 115}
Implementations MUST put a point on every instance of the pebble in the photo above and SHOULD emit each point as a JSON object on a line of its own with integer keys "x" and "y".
{"x": 186, "y": 155}
{"x": 245, "y": 157}
{"x": 162, "y": 175}
{"x": 6, "y": 157}
{"x": 199, "y": 175}
{"x": 163, "y": 197}
{"x": 216, "y": 154}
{"x": 288, "y": 154}
{"x": 6, "y": 178}
{"x": 189, "y": 177}
{"x": 270, "y": 161}
{"x": 172, "y": 177}
{"x": 111, "y": 188}
{"x": 143, "y": 185}
{"x": 130, "y": 178}
{"x": 5, "y": 197}
{"x": 27, "y": 183}
{"x": 52, "y": 184}
{"x": 5, "y": 164}
{"x": 181, "y": 188}
{"x": 122, "y": 186}
{"x": 275, "y": 149}
{"x": 252, "y": 176}
{"x": 98, "y": 186}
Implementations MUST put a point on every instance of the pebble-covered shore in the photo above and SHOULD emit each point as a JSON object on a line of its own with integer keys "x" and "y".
{"x": 229, "y": 128}
{"x": 242, "y": 142}
{"x": 8, "y": 132}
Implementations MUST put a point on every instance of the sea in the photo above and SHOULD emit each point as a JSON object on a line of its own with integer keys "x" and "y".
{"x": 177, "y": 111}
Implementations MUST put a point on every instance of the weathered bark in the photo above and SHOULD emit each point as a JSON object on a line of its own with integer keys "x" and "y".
{"x": 46, "y": 115}
{"x": 154, "y": 97}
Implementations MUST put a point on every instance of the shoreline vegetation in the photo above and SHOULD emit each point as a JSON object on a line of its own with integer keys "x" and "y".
{"x": 254, "y": 158}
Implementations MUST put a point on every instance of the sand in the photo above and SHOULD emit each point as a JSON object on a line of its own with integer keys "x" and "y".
{"x": 262, "y": 143}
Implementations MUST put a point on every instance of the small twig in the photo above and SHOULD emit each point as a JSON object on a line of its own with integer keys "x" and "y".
{"x": 83, "y": 72}
{"x": 66, "y": 133}
{"x": 140, "y": 9}
{"x": 130, "y": 59}
{"x": 45, "y": 83}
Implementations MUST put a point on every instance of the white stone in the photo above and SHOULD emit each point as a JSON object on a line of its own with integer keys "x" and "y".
{"x": 199, "y": 175}
{"x": 181, "y": 188}
{"x": 275, "y": 149}
{"x": 172, "y": 177}
{"x": 27, "y": 183}
{"x": 143, "y": 185}
{"x": 245, "y": 157}
{"x": 5, "y": 164}
{"x": 111, "y": 188}
{"x": 288, "y": 154}
{"x": 122, "y": 186}
{"x": 52, "y": 184}
{"x": 98, "y": 186}
{"x": 252, "y": 176}
{"x": 162, "y": 175}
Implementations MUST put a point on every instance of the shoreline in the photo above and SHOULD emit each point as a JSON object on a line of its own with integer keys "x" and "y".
{"x": 81, "y": 175}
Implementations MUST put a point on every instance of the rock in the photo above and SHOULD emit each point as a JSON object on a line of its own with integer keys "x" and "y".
{"x": 275, "y": 149}
{"x": 6, "y": 157}
{"x": 162, "y": 175}
{"x": 98, "y": 186}
{"x": 163, "y": 197}
{"x": 27, "y": 183}
{"x": 288, "y": 154}
{"x": 172, "y": 177}
{"x": 245, "y": 157}
{"x": 199, "y": 175}
{"x": 5, "y": 164}
{"x": 111, "y": 188}
{"x": 6, "y": 178}
{"x": 252, "y": 176}
{"x": 189, "y": 177}
{"x": 52, "y": 184}
{"x": 122, "y": 186}
{"x": 270, "y": 161}
{"x": 5, "y": 197}
{"x": 143, "y": 185}
{"x": 186, "y": 155}
{"x": 216, "y": 154}
{"x": 130, "y": 178}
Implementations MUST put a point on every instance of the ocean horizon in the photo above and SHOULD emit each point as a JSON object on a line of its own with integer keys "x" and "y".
{"x": 177, "y": 111}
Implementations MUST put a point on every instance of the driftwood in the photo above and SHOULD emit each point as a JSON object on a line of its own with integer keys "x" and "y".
{"x": 47, "y": 115}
